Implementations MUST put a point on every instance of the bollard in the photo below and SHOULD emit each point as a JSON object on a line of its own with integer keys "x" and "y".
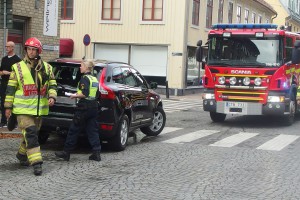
{"x": 167, "y": 90}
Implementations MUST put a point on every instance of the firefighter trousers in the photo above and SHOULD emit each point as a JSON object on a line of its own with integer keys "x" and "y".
{"x": 29, "y": 126}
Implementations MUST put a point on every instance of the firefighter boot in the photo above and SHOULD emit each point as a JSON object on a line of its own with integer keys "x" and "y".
{"x": 23, "y": 159}
{"x": 37, "y": 169}
{"x": 63, "y": 154}
{"x": 95, "y": 156}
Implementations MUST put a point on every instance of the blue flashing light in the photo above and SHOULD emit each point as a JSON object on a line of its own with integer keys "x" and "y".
{"x": 244, "y": 26}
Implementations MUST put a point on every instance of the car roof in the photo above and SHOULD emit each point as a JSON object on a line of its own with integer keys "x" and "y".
{"x": 97, "y": 62}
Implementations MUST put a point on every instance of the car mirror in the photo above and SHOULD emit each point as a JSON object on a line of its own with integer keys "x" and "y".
{"x": 153, "y": 85}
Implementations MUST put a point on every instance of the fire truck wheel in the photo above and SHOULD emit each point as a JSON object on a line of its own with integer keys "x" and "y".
{"x": 289, "y": 119}
{"x": 217, "y": 117}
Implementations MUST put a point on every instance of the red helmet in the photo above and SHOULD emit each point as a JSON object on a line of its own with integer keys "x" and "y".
{"x": 34, "y": 42}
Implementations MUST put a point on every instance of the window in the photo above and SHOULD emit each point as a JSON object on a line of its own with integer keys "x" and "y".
{"x": 259, "y": 19}
{"x": 196, "y": 8}
{"x": 246, "y": 16}
{"x": 152, "y": 10}
{"x": 111, "y": 10}
{"x": 209, "y": 12}
{"x": 253, "y": 18}
{"x": 129, "y": 78}
{"x": 230, "y": 12}
{"x": 67, "y": 7}
{"x": 220, "y": 15}
{"x": 239, "y": 14}
{"x": 117, "y": 75}
{"x": 289, "y": 49}
{"x": 267, "y": 21}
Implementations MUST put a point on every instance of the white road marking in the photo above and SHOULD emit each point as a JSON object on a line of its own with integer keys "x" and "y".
{"x": 191, "y": 136}
{"x": 278, "y": 143}
{"x": 169, "y": 129}
{"x": 234, "y": 139}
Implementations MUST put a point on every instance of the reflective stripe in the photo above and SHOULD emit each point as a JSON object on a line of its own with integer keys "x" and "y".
{"x": 27, "y": 97}
{"x": 35, "y": 157}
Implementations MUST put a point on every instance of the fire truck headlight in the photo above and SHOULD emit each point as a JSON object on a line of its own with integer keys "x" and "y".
{"x": 275, "y": 99}
{"x": 246, "y": 81}
{"x": 232, "y": 80}
{"x": 208, "y": 96}
{"x": 221, "y": 80}
{"x": 257, "y": 81}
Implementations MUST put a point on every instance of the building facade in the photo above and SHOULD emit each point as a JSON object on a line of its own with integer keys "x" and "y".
{"x": 288, "y": 13}
{"x": 32, "y": 18}
{"x": 158, "y": 37}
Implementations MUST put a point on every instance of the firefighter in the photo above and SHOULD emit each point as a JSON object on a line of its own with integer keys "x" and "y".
{"x": 85, "y": 117}
{"x": 30, "y": 91}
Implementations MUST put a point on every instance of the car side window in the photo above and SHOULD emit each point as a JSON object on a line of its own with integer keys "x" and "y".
{"x": 117, "y": 75}
{"x": 129, "y": 77}
{"x": 140, "y": 80}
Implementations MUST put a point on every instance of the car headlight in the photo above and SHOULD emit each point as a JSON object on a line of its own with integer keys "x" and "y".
{"x": 257, "y": 81}
{"x": 208, "y": 96}
{"x": 246, "y": 81}
{"x": 232, "y": 80}
{"x": 221, "y": 80}
{"x": 275, "y": 99}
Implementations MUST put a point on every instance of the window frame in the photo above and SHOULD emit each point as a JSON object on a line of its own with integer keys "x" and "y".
{"x": 239, "y": 14}
{"x": 253, "y": 17}
{"x": 209, "y": 13}
{"x": 64, "y": 10}
{"x": 111, "y": 20}
{"x": 246, "y": 17}
{"x": 196, "y": 13}
{"x": 160, "y": 21}
{"x": 230, "y": 14}
{"x": 221, "y": 11}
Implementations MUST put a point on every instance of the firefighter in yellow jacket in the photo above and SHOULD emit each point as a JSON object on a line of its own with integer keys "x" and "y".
{"x": 30, "y": 91}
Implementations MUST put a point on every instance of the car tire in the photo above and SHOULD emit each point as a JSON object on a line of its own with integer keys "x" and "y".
{"x": 289, "y": 119}
{"x": 43, "y": 137}
{"x": 217, "y": 117}
{"x": 119, "y": 141}
{"x": 158, "y": 123}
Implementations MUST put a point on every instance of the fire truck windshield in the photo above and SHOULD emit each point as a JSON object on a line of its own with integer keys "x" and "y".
{"x": 244, "y": 51}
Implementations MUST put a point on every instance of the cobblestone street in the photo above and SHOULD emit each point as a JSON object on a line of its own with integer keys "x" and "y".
{"x": 152, "y": 170}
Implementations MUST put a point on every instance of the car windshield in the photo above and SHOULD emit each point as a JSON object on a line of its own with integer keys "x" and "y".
{"x": 244, "y": 51}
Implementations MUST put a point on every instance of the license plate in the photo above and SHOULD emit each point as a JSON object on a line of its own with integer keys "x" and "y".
{"x": 235, "y": 107}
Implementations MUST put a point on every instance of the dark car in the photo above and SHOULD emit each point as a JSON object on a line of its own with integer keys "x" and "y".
{"x": 126, "y": 102}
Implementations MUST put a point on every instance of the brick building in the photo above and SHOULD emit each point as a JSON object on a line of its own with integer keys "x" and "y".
{"x": 28, "y": 21}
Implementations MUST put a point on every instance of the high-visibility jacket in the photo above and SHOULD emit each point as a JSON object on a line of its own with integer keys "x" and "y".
{"x": 28, "y": 98}
{"x": 93, "y": 87}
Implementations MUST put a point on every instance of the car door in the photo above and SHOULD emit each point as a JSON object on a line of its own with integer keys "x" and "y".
{"x": 135, "y": 95}
{"x": 145, "y": 103}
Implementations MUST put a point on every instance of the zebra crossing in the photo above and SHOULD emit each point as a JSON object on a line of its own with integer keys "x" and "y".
{"x": 275, "y": 143}
{"x": 171, "y": 106}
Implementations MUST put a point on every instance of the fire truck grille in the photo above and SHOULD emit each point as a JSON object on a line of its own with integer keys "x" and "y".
{"x": 241, "y": 96}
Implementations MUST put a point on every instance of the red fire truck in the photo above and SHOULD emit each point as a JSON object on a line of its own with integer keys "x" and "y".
{"x": 250, "y": 69}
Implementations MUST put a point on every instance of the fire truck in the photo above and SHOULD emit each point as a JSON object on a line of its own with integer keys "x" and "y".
{"x": 250, "y": 69}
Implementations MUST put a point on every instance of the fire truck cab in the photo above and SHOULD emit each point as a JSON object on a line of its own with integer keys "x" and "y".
{"x": 250, "y": 69}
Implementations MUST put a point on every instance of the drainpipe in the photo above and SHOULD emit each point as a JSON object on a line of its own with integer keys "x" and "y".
{"x": 274, "y": 17}
{"x": 185, "y": 41}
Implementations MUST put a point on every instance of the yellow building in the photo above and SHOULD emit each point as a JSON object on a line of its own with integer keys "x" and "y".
{"x": 158, "y": 37}
{"x": 288, "y": 13}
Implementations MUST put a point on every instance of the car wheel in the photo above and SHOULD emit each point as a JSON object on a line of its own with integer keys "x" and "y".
{"x": 217, "y": 117}
{"x": 43, "y": 137}
{"x": 119, "y": 141}
{"x": 158, "y": 123}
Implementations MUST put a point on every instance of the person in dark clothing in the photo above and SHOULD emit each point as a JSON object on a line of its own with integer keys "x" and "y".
{"x": 85, "y": 117}
{"x": 5, "y": 70}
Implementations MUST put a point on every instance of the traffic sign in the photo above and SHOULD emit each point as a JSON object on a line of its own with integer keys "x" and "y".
{"x": 86, "y": 39}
